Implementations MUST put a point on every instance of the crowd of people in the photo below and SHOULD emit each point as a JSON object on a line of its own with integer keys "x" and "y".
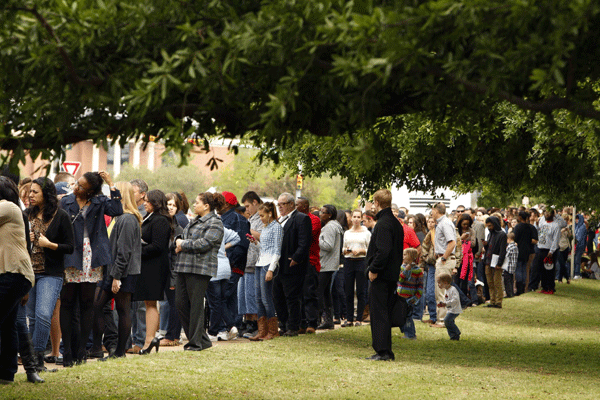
{"x": 99, "y": 274}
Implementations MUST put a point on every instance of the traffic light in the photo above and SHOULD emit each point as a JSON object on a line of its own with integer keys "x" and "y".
{"x": 299, "y": 181}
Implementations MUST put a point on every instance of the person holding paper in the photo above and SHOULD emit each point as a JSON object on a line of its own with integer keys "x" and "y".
{"x": 495, "y": 252}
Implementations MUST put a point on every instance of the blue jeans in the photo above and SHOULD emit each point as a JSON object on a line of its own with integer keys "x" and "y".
{"x": 579, "y": 250}
{"x": 419, "y": 308}
{"x": 481, "y": 276}
{"x": 521, "y": 272}
{"x": 430, "y": 294}
{"x": 40, "y": 307}
{"x": 264, "y": 293}
{"x": 231, "y": 301}
{"x": 164, "y": 315}
{"x": 563, "y": 270}
{"x": 409, "y": 325}
{"x": 451, "y": 327}
{"x": 219, "y": 317}
{"x": 138, "y": 323}
{"x": 247, "y": 294}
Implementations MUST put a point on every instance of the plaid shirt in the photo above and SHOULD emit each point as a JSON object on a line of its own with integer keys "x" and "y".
{"x": 512, "y": 253}
{"x": 201, "y": 242}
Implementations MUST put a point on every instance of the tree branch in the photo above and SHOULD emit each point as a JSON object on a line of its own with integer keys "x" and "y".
{"x": 546, "y": 106}
{"x": 63, "y": 53}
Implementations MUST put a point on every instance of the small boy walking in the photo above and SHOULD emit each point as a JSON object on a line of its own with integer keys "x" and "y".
{"x": 509, "y": 267}
{"x": 452, "y": 304}
{"x": 410, "y": 287}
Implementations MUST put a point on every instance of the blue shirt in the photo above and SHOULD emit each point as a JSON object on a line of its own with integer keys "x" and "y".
{"x": 237, "y": 254}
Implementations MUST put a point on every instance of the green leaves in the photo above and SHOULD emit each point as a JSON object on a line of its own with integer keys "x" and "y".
{"x": 405, "y": 92}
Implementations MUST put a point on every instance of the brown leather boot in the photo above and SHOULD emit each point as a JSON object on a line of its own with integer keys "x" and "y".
{"x": 262, "y": 330}
{"x": 366, "y": 317}
{"x": 273, "y": 328}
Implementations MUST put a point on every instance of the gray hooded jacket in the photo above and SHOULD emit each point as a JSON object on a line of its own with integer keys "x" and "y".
{"x": 330, "y": 242}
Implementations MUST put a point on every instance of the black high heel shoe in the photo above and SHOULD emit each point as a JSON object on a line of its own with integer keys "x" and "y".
{"x": 154, "y": 343}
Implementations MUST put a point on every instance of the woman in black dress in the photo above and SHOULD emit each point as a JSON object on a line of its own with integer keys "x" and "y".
{"x": 151, "y": 283}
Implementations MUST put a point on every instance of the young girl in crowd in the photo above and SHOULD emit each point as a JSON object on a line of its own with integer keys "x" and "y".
{"x": 270, "y": 241}
{"x": 410, "y": 287}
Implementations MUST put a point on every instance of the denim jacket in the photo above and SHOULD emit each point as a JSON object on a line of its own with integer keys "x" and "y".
{"x": 96, "y": 226}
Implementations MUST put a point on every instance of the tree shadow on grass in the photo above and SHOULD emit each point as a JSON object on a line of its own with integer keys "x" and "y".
{"x": 562, "y": 356}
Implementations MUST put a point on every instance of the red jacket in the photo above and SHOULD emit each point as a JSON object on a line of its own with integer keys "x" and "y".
{"x": 315, "y": 251}
{"x": 410, "y": 237}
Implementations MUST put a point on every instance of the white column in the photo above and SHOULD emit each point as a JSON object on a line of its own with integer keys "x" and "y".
{"x": 117, "y": 160}
{"x": 136, "y": 154}
{"x": 95, "y": 158}
{"x": 151, "y": 151}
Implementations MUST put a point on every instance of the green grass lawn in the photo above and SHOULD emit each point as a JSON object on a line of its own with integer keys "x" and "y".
{"x": 538, "y": 346}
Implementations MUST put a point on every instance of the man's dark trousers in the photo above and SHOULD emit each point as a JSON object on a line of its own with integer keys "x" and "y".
{"x": 382, "y": 295}
{"x": 287, "y": 296}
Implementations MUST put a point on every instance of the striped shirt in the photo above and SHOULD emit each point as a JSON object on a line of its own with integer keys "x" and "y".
{"x": 410, "y": 283}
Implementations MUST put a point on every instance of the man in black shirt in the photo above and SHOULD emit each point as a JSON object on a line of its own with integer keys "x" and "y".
{"x": 384, "y": 258}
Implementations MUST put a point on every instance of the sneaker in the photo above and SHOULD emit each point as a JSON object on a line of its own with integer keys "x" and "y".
{"x": 576, "y": 277}
{"x": 223, "y": 336}
{"x": 438, "y": 325}
{"x": 249, "y": 335}
{"x": 213, "y": 338}
{"x": 233, "y": 333}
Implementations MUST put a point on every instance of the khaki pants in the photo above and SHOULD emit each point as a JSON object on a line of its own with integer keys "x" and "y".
{"x": 440, "y": 294}
{"x": 494, "y": 280}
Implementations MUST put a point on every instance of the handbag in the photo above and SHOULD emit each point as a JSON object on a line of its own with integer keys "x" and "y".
{"x": 548, "y": 263}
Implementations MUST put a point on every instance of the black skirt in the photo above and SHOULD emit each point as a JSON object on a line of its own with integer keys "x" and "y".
{"x": 153, "y": 280}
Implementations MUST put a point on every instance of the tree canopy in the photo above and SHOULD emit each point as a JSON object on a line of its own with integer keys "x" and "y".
{"x": 430, "y": 93}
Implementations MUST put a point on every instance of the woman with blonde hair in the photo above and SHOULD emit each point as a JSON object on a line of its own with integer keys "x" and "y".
{"x": 121, "y": 275}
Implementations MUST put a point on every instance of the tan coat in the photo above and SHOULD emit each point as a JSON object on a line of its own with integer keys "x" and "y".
{"x": 14, "y": 257}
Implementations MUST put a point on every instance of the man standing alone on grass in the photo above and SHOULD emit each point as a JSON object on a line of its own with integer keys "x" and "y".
{"x": 384, "y": 258}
